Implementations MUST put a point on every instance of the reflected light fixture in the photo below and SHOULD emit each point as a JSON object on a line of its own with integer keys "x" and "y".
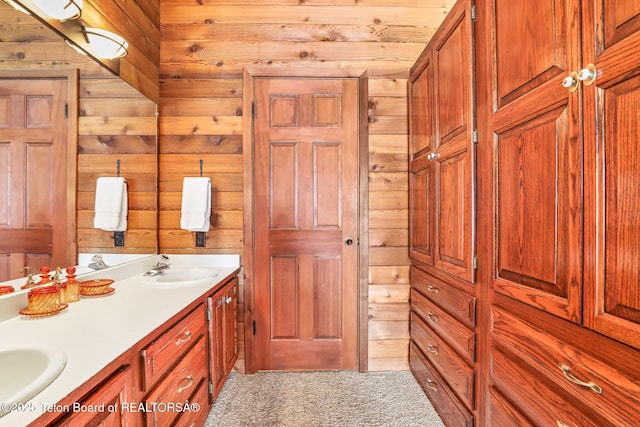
{"x": 105, "y": 44}
{"x": 17, "y": 7}
{"x": 62, "y": 10}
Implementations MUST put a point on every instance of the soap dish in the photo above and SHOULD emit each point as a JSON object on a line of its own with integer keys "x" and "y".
{"x": 96, "y": 287}
{"x": 104, "y": 293}
{"x": 37, "y": 314}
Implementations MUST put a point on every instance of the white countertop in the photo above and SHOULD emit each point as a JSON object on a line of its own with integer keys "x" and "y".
{"x": 95, "y": 331}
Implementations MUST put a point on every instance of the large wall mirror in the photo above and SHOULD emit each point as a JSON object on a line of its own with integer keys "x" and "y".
{"x": 116, "y": 135}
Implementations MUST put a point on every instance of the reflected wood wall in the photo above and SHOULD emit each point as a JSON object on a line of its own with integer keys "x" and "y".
{"x": 205, "y": 46}
{"x": 116, "y": 122}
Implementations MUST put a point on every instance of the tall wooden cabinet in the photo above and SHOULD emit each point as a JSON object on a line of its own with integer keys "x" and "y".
{"x": 546, "y": 330}
{"x": 442, "y": 244}
{"x": 559, "y": 262}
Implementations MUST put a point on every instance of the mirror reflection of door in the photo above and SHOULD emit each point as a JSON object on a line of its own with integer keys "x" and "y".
{"x": 33, "y": 175}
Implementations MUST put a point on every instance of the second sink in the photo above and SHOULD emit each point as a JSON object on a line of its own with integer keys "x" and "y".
{"x": 183, "y": 277}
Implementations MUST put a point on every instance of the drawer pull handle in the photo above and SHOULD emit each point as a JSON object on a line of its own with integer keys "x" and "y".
{"x": 433, "y": 317}
{"x": 431, "y": 385}
{"x": 433, "y": 289}
{"x": 568, "y": 375}
{"x": 432, "y": 349}
{"x": 186, "y": 383}
{"x": 184, "y": 338}
{"x": 561, "y": 424}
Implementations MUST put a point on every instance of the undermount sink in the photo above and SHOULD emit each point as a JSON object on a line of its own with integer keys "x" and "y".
{"x": 26, "y": 370}
{"x": 183, "y": 277}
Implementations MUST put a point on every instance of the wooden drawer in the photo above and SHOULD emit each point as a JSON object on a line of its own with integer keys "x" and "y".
{"x": 110, "y": 398}
{"x": 165, "y": 351}
{"x": 502, "y": 413}
{"x": 450, "y": 409}
{"x": 193, "y": 418}
{"x": 178, "y": 387}
{"x": 534, "y": 398}
{"x": 461, "y": 338}
{"x": 450, "y": 365}
{"x": 456, "y": 302}
{"x": 564, "y": 365}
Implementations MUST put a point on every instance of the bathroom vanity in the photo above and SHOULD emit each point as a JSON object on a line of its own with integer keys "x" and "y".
{"x": 146, "y": 354}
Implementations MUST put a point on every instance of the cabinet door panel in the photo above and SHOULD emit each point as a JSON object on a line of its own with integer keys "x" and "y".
{"x": 452, "y": 56}
{"x": 537, "y": 155}
{"x": 539, "y": 50}
{"x": 612, "y": 159}
{"x": 421, "y": 217}
{"x": 538, "y": 214}
{"x": 620, "y": 19}
{"x": 455, "y": 248}
{"x": 421, "y": 107}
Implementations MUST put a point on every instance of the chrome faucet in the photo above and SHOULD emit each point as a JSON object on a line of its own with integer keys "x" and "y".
{"x": 160, "y": 267}
{"x": 97, "y": 263}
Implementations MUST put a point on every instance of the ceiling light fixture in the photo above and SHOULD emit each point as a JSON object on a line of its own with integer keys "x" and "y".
{"x": 105, "y": 44}
{"x": 62, "y": 10}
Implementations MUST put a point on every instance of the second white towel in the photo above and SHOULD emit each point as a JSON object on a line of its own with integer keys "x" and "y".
{"x": 196, "y": 204}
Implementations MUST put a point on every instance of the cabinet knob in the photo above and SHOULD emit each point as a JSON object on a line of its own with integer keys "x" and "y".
{"x": 571, "y": 82}
{"x": 587, "y": 75}
{"x": 228, "y": 300}
{"x": 432, "y": 349}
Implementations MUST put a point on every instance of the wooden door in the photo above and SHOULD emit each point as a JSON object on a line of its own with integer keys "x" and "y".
{"x": 33, "y": 175}
{"x": 305, "y": 221}
{"x": 612, "y": 169}
{"x": 421, "y": 139}
{"x": 453, "y": 155}
{"x": 537, "y": 155}
{"x": 441, "y": 97}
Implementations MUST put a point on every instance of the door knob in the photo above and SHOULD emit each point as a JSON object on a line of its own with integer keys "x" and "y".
{"x": 571, "y": 82}
{"x": 587, "y": 75}
{"x": 348, "y": 241}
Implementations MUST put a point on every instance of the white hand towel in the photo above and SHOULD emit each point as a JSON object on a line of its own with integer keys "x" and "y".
{"x": 196, "y": 204}
{"x": 111, "y": 204}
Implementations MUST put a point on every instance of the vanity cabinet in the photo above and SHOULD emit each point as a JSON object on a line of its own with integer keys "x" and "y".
{"x": 179, "y": 387}
{"x": 167, "y": 378}
{"x": 164, "y": 352}
{"x": 442, "y": 214}
{"x": 175, "y": 368}
{"x": 223, "y": 332}
{"x": 104, "y": 406}
{"x": 558, "y": 143}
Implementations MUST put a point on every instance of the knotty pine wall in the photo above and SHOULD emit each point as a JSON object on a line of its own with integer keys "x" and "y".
{"x": 205, "y": 45}
{"x": 116, "y": 122}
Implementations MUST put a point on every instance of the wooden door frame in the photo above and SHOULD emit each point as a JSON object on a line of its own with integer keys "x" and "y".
{"x": 250, "y": 74}
{"x": 73, "y": 78}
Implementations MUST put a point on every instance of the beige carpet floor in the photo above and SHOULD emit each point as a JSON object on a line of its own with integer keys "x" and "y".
{"x": 323, "y": 399}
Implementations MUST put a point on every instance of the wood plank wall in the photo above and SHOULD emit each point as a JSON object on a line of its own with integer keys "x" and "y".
{"x": 116, "y": 122}
{"x": 206, "y": 44}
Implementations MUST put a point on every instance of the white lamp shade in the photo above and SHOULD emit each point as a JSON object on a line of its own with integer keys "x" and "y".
{"x": 62, "y": 10}
{"x": 106, "y": 44}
